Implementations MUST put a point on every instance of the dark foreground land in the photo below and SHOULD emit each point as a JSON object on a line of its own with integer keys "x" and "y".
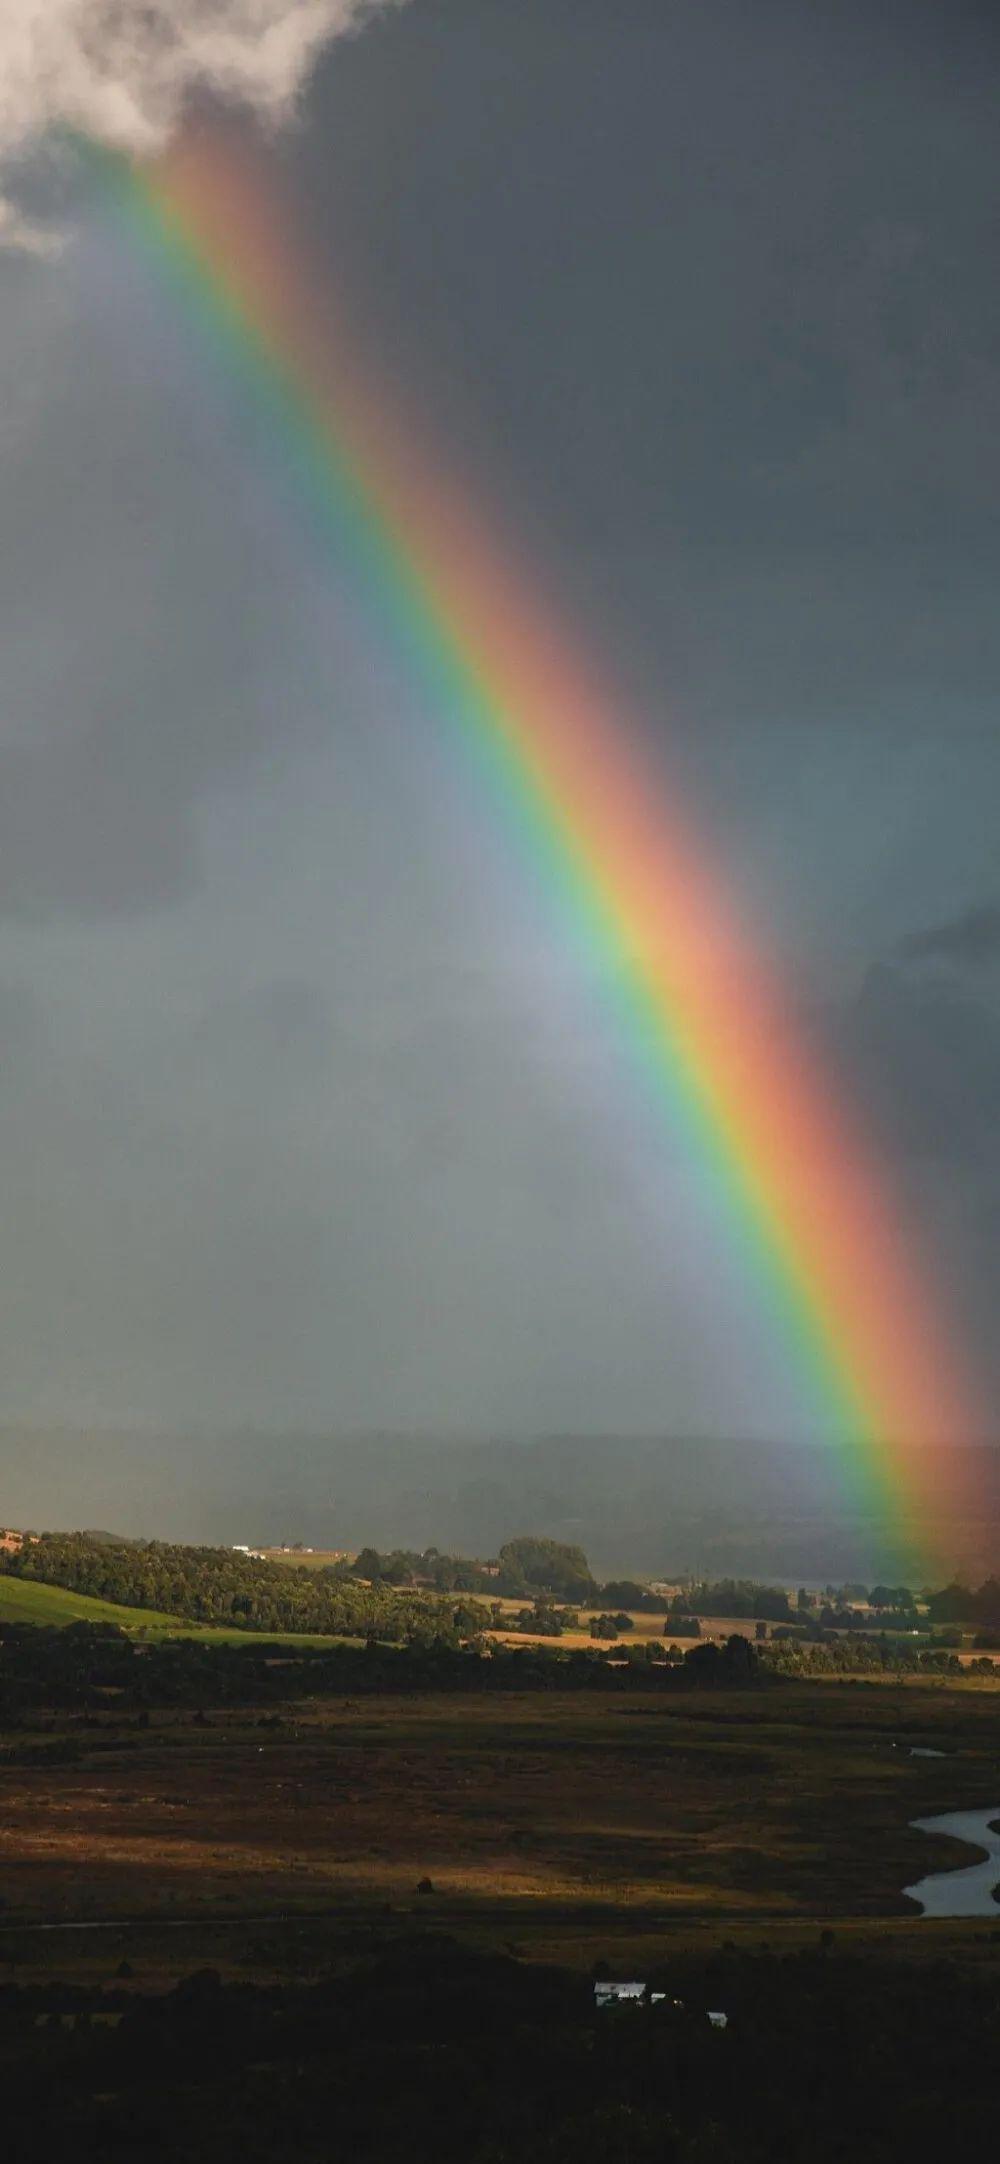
{"x": 430, "y": 2051}
{"x": 367, "y": 1922}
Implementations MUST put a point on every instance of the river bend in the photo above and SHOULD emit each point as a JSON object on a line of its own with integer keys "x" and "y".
{"x": 967, "y": 1891}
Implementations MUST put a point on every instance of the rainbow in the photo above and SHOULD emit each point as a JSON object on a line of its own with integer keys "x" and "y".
{"x": 835, "y": 1267}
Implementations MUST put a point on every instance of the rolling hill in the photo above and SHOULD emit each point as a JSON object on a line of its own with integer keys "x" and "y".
{"x": 26, "y": 1600}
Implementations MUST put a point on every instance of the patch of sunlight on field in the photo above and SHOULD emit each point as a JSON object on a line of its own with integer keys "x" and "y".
{"x": 27, "y": 1600}
{"x": 644, "y": 1628}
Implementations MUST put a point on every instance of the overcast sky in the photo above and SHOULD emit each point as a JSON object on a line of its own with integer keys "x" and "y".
{"x": 307, "y": 1117}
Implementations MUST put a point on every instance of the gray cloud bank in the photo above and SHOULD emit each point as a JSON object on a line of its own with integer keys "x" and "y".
{"x": 123, "y": 71}
{"x": 306, "y": 1116}
{"x": 972, "y": 938}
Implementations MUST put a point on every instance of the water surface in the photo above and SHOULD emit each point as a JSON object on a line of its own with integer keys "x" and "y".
{"x": 969, "y": 1890}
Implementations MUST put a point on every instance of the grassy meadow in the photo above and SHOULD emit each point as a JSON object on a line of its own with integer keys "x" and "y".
{"x": 564, "y": 1826}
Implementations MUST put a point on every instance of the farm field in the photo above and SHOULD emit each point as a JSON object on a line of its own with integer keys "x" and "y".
{"x": 659, "y": 1627}
{"x": 566, "y": 1827}
{"x": 305, "y": 1558}
{"x": 644, "y": 1626}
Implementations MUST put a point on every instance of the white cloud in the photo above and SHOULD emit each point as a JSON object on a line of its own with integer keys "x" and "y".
{"x": 123, "y": 71}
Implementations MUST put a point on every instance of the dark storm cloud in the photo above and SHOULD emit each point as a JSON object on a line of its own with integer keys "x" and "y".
{"x": 921, "y": 1051}
{"x": 24, "y": 1041}
{"x": 311, "y": 1118}
{"x": 152, "y": 620}
{"x": 80, "y": 832}
{"x": 924, "y": 1044}
{"x": 286, "y": 1018}
{"x": 711, "y": 299}
{"x": 731, "y": 263}
{"x": 927, "y": 1054}
{"x": 970, "y": 940}
{"x": 699, "y": 314}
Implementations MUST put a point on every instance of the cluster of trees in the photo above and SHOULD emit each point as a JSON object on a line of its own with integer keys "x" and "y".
{"x": 542, "y": 1620}
{"x": 610, "y": 1626}
{"x": 892, "y": 1599}
{"x": 409, "y": 1569}
{"x": 964, "y": 1604}
{"x": 861, "y": 1655}
{"x": 853, "y": 1591}
{"x": 738, "y": 1597}
{"x": 97, "y": 1669}
{"x": 217, "y": 1585}
{"x": 839, "y": 1618}
{"x": 525, "y": 1566}
{"x": 528, "y": 1566}
{"x": 396, "y": 1595}
{"x": 532, "y": 1564}
{"x": 744, "y": 1597}
{"x": 626, "y": 1594}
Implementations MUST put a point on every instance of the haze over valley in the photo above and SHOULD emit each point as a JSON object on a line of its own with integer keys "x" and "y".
{"x": 646, "y": 1505}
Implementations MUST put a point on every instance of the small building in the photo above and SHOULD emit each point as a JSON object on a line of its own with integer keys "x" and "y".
{"x": 631, "y": 1994}
{"x": 622, "y": 1994}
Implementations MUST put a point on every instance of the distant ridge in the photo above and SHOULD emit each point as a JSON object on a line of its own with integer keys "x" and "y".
{"x": 642, "y": 1504}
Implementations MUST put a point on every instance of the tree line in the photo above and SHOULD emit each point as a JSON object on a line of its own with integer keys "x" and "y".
{"x": 99, "y": 1670}
{"x": 220, "y": 1586}
{"x": 737, "y": 1597}
{"x": 396, "y": 1594}
{"x": 957, "y": 1603}
{"x": 525, "y": 1567}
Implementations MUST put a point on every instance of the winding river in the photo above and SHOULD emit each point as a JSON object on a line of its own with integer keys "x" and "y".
{"x": 968, "y": 1891}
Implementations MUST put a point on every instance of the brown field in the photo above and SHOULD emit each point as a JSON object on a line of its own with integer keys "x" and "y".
{"x": 563, "y": 1824}
{"x": 306, "y": 1559}
{"x": 643, "y": 1627}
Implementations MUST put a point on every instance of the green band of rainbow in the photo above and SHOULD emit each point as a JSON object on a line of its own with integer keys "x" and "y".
{"x": 834, "y": 1268}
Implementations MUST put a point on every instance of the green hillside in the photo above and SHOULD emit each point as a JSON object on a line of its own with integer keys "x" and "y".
{"x": 27, "y": 1600}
